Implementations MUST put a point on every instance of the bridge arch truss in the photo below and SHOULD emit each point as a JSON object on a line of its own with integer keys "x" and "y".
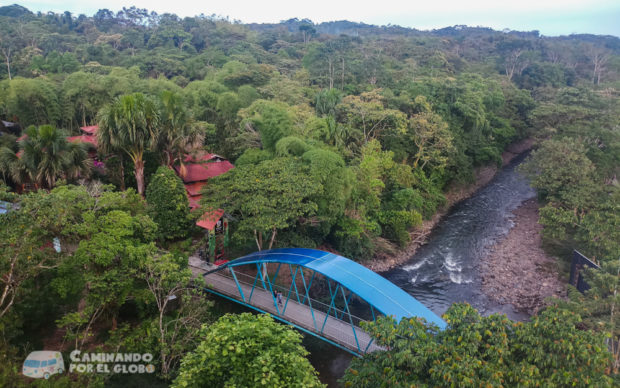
{"x": 322, "y": 293}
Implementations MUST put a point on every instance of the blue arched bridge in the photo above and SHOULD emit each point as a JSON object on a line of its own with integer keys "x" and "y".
{"x": 321, "y": 293}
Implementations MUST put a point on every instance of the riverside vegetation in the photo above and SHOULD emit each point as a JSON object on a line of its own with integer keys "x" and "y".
{"x": 344, "y": 136}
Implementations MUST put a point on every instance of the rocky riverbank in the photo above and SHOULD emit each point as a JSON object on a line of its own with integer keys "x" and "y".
{"x": 482, "y": 176}
{"x": 516, "y": 270}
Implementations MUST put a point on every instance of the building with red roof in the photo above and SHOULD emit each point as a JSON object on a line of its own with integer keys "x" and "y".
{"x": 83, "y": 139}
{"x": 195, "y": 172}
{"x": 90, "y": 130}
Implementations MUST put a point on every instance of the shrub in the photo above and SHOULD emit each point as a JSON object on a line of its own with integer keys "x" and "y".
{"x": 168, "y": 205}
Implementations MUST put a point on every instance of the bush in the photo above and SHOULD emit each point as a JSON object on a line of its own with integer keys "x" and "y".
{"x": 168, "y": 205}
{"x": 247, "y": 350}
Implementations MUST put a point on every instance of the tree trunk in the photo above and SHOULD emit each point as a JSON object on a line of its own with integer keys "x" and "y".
{"x": 139, "y": 173}
{"x": 7, "y": 55}
{"x": 258, "y": 242}
{"x": 123, "y": 188}
{"x": 342, "y": 79}
{"x": 331, "y": 73}
{"x": 273, "y": 237}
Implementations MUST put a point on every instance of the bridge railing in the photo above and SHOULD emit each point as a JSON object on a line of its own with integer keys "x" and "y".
{"x": 297, "y": 297}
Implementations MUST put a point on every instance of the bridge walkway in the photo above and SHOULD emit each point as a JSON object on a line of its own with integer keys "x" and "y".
{"x": 301, "y": 315}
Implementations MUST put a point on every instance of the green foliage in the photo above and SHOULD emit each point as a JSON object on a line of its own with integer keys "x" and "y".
{"x": 253, "y": 156}
{"x": 45, "y": 156}
{"x": 109, "y": 255}
{"x": 291, "y": 146}
{"x": 168, "y": 205}
{"x": 247, "y": 350}
{"x": 357, "y": 133}
{"x": 562, "y": 172}
{"x": 266, "y": 197}
{"x": 336, "y": 181}
{"x": 174, "y": 331}
{"x": 177, "y": 131}
{"x": 478, "y": 351}
{"x": 326, "y": 102}
{"x": 272, "y": 120}
{"x": 33, "y": 101}
{"x": 128, "y": 125}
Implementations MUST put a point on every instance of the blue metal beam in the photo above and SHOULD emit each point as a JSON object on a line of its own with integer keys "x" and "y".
{"x": 309, "y": 285}
{"x": 346, "y": 304}
{"x": 288, "y": 296}
{"x": 275, "y": 302}
{"x": 237, "y": 282}
{"x": 303, "y": 279}
{"x": 331, "y": 304}
{"x": 253, "y": 285}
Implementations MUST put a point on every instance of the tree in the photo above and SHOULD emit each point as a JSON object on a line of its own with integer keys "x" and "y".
{"x": 326, "y": 101}
{"x": 273, "y": 120}
{"x": 562, "y": 172}
{"x": 267, "y": 197}
{"x": 168, "y": 280}
{"x": 168, "y": 205}
{"x": 431, "y": 137}
{"x": 599, "y": 58}
{"x": 178, "y": 132}
{"x": 45, "y": 156}
{"x": 24, "y": 255}
{"x": 129, "y": 125}
{"x": 336, "y": 182}
{"x": 104, "y": 268}
{"x": 83, "y": 95}
{"x": 367, "y": 114}
{"x": 307, "y": 30}
{"x": 33, "y": 101}
{"x": 478, "y": 351}
{"x": 246, "y": 350}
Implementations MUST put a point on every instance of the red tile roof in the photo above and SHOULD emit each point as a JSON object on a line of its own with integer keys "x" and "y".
{"x": 210, "y": 218}
{"x": 83, "y": 139}
{"x": 194, "y": 188}
{"x": 92, "y": 129}
{"x": 194, "y": 201}
{"x": 202, "y": 171}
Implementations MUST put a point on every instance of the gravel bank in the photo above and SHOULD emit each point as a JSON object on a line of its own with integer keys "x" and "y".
{"x": 516, "y": 270}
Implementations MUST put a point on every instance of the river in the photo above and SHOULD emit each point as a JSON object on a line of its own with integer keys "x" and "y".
{"x": 447, "y": 269}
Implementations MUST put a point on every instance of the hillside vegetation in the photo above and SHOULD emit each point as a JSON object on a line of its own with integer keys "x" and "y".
{"x": 344, "y": 136}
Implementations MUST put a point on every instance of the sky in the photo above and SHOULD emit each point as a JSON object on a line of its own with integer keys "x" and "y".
{"x": 550, "y": 17}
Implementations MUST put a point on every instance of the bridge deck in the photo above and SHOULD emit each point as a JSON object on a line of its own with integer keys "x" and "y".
{"x": 336, "y": 330}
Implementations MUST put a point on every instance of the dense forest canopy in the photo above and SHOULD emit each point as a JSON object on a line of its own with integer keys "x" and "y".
{"x": 344, "y": 136}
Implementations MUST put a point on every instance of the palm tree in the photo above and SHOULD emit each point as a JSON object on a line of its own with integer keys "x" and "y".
{"x": 129, "y": 125}
{"x": 178, "y": 131}
{"x": 44, "y": 156}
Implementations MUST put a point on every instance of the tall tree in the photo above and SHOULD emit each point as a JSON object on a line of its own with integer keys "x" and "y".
{"x": 270, "y": 196}
{"x": 167, "y": 204}
{"x": 178, "y": 132}
{"x": 129, "y": 125}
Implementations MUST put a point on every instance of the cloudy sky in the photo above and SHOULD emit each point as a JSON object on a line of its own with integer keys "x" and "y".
{"x": 550, "y": 17}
